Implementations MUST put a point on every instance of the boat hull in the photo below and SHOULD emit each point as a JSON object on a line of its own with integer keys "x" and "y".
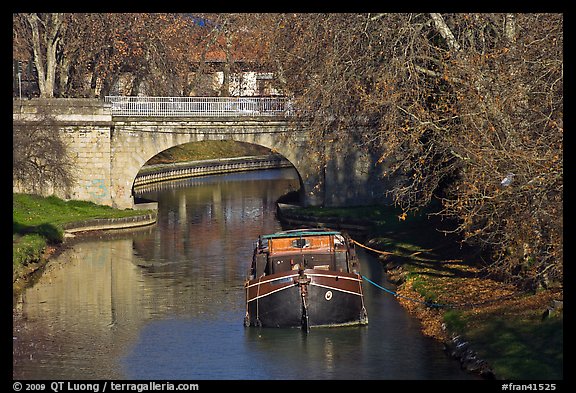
{"x": 310, "y": 298}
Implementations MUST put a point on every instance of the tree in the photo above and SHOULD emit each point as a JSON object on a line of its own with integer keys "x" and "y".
{"x": 40, "y": 161}
{"x": 452, "y": 103}
{"x": 43, "y": 33}
{"x": 82, "y": 54}
{"x": 511, "y": 129}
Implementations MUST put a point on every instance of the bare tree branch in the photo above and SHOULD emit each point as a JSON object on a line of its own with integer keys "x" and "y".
{"x": 445, "y": 31}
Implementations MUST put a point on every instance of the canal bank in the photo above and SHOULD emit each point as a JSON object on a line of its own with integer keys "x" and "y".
{"x": 166, "y": 302}
{"x": 156, "y": 173}
{"x": 42, "y": 225}
{"x": 72, "y": 224}
{"x": 494, "y": 329}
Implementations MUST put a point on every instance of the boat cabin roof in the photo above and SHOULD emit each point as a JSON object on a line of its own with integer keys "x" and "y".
{"x": 300, "y": 233}
{"x": 303, "y": 241}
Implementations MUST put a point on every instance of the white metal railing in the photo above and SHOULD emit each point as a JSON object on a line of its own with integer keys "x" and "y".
{"x": 198, "y": 106}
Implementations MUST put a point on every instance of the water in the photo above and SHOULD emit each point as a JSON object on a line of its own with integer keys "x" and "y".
{"x": 167, "y": 302}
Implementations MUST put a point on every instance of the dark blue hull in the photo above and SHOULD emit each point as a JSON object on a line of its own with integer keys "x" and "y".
{"x": 327, "y": 299}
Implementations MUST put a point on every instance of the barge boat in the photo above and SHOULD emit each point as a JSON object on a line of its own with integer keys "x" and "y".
{"x": 304, "y": 278}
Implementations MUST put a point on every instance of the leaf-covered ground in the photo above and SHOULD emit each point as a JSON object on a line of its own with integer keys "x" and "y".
{"x": 513, "y": 330}
{"x": 442, "y": 283}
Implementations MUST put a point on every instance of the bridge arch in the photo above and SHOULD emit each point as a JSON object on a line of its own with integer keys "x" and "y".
{"x": 133, "y": 143}
{"x": 108, "y": 143}
{"x": 220, "y": 157}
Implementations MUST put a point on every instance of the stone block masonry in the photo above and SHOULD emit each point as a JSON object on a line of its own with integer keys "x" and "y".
{"x": 108, "y": 152}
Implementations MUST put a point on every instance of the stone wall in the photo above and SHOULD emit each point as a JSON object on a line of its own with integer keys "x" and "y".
{"x": 84, "y": 126}
{"x": 107, "y": 153}
{"x": 89, "y": 150}
{"x": 135, "y": 141}
{"x": 353, "y": 177}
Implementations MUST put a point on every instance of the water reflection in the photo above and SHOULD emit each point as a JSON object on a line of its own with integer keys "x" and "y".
{"x": 78, "y": 314}
{"x": 324, "y": 353}
{"x": 93, "y": 299}
{"x": 167, "y": 302}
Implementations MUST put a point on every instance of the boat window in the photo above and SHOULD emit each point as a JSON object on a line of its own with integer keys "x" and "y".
{"x": 300, "y": 243}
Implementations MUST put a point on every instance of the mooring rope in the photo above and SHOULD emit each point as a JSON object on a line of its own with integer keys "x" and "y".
{"x": 372, "y": 249}
{"x": 388, "y": 252}
{"x": 428, "y": 304}
{"x": 396, "y": 294}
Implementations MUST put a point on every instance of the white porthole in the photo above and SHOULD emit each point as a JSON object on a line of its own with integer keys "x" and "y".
{"x": 328, "y": 295}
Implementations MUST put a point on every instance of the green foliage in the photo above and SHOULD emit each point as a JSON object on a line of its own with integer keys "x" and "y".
{"x": 520, "y": 348}
{"x": 33, "y": 213}
{"x": 26, "y": 249}
{"x": 37, "y": 221}
{"x": 454, "y": 320}
{"x": 517, "y": 348}
{"x": 424, "y": 288}
{"x": 206, "y": 150}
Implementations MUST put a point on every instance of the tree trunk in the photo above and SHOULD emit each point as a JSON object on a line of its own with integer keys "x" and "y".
{"x": 445, "y": 32}
{"x": 510, "y": 29}
{"x": 45, "y": 62}
{"x": 225, "y": 89}
{"x": 64, "y": 77}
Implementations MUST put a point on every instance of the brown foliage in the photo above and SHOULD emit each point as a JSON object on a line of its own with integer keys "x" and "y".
{"x": 160, "y": 51}
{"x": 452, "y": 104}
{"x": 465, "y": 109}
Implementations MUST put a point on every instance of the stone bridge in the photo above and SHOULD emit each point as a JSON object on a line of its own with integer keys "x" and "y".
{"x": 109, "y": 150}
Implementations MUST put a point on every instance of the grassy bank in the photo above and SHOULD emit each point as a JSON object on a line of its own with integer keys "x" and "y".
{"x": 38, "y": 224}
{"x": 446, "y": 287}
{"x": 207, "y": 150}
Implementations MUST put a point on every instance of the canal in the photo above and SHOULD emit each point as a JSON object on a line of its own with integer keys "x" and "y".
{"x": 167, "y": 302}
